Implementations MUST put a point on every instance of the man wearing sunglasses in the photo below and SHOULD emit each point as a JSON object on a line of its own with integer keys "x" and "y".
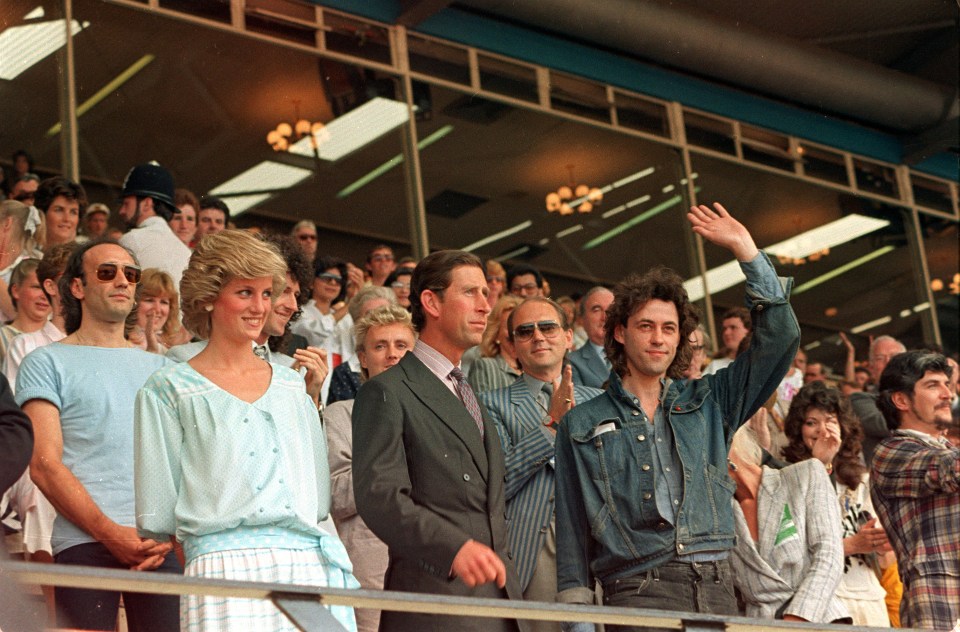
{"x": 79, "y": 393}
{"x": 526, "y": 415}
{"x": 643, "y": 495}
{"x": 147, "y": 207}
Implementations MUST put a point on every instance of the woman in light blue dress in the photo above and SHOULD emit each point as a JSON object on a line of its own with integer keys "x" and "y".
{"x": 230, "y": 456}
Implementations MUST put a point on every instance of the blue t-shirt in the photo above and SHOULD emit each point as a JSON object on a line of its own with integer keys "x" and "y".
{"x": 94, "y": 388}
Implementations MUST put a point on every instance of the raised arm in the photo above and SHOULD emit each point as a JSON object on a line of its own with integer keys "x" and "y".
{"x": 718, "y": 227}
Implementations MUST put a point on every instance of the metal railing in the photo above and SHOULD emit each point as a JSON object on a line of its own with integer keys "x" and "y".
{"x": 304, "y": 605}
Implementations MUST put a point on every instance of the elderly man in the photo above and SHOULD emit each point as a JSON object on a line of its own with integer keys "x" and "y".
{"x": 79, "y": 394}
{"x": 864, "y": 405}
{"x": 915, "y": 486}
{"x": 527, "y": 414}
{"x": 589, "y": 362}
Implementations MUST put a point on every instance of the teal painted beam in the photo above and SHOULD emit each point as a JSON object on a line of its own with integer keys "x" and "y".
{"x": 617, "y": 70}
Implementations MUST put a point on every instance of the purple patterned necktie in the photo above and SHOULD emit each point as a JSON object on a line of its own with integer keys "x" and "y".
{"x": 468, "y": 398}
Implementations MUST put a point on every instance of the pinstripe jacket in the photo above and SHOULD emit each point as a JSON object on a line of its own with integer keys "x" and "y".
{"x": 798, "y": 559}
{"x": 528, "y": 457}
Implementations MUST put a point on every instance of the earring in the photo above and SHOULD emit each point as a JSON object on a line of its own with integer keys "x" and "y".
{"x": 209, "y": 308}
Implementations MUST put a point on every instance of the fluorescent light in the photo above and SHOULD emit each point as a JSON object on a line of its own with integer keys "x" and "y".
{"x": 35, "y": 14}
{"x": 498, "y": 236}
{"x": 827, "y": 236}
{"x": 850, "y": 265}
{"x": 905, "y": 312}
{"x": 23, "y": 46}
{"x": 921, "y": 307}
{"x": 513, "y": 253}
{"x": 390, "y": 164}
{"x": 107, "y": 90}
{"x": 624, "y": 181}
{"x": 623, "y": 207}
{"x": 355, "y": 129}
{"x": 569, "y": 231}
{"x": 668, "y": 188}
{"x": 812, "y": 345}
{"x": 258, "y": 183}
{"x": 627, "y": 225}
{"x": 544, "y": 241}
{"x": 871, "y": 324}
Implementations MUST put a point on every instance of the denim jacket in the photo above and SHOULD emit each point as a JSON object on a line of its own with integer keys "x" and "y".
{"x": 608, "y": 525}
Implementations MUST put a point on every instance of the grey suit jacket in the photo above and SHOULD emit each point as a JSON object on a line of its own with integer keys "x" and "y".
{"x": 588, "y": 367}
{"x": 799, "y": 555}
{"x": 530, "y": 482}
{"x": 426, "y": 483}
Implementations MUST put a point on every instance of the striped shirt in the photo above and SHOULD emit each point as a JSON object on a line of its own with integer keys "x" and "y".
{"x": 438, "y": 364}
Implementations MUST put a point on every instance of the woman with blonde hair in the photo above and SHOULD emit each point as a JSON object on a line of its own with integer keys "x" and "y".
{"x": 230, "y": 456}
{"x": 498, "y": 365}
{"x": 28, "y": 299}
{"x": 19, "y": 224}
{"x": 158, "y": 313}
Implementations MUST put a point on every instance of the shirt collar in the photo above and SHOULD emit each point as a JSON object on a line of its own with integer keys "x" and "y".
{"x": 533, "y": 384}
{"x": 941, "y": 442}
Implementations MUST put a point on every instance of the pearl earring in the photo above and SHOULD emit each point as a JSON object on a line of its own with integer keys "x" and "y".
{"x": 209, "y": 308}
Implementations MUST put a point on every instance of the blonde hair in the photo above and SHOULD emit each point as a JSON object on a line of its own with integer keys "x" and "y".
{"x": 217, "y": 260}
{"x": 489, "y": 348}
{"x": 157, "y": 283}
{"x": 20, "y": 212}
{"x": 385, "y": 315}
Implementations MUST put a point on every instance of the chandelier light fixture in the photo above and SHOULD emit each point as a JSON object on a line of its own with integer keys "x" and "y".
{"x": 569, "y": 197}
{"x": 281, "y": 138}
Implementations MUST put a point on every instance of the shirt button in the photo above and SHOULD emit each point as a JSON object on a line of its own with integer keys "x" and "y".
{"x": 245, "y": 420}
{"x": 666, "y": 469}
{"x": 252, "y": 453}
{"x": 646, "y": 496}
{"x": 641, "y": 438}
{"x": 635, "y": 413}
{"x": 680, "y": 547}
{"x": 275, "y": 450}
{"x": 645, "y": 467}
{"x": 466, "y": 477}
{"x": 261, "y": 510}
{"x": 280, "y": 481}
{"x": 287, "y": 506}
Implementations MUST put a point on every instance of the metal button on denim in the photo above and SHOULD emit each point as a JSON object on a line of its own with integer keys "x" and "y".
{"x": 641, "y": 438}
{"x": 645, "y": 467}
{"x": 466, "y": 477}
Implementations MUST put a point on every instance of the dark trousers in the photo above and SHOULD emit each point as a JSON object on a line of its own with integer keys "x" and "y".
{"x": 705, "y": 587}
{"x": 89, "y": 609}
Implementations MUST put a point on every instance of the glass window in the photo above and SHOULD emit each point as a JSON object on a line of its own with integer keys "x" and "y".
{"x": 643, "y": 115}
{"x": 486, "y": 181}
{"x": 850, "y": 257}
{"x": 940, "y": 239}
{"x": 824, "y": 164}
{"x": 508, "y": 78}
{"x": 439, "y": 60}
{"x": 709, "y": 132}
{"x": 579, "y": 96}
{"x": 931, "y": 193}
{"x": 766, "y": 148}
{"x": 875, "y": 178}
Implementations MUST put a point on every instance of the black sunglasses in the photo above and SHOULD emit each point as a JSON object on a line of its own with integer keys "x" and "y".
{"x": 549, "y": 329}
{"x": 107, "y": 272}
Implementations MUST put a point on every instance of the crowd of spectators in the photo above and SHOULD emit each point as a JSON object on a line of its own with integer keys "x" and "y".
{"x": 221, "y": 404}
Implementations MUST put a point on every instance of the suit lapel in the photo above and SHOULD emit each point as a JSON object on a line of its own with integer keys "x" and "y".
{"x": 435, "y": 395}
{"x": 774, "y": 501}
{"x": 596, "y": 363}
{"x": 523, "y": 405}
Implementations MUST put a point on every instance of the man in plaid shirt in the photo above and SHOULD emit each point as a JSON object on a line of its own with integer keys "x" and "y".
{"x": 915, "y": 485}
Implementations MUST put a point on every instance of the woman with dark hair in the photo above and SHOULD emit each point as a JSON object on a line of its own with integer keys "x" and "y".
{"x": 821, "y": 425}
{"x": 327, "y": 305}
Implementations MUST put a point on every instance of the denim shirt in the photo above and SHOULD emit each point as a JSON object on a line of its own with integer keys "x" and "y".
{"x": 608, "y": 522}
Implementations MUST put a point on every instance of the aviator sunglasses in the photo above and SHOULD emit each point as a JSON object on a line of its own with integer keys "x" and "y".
{"x": 549, "y": 329}
{"x": 107, "y": 272}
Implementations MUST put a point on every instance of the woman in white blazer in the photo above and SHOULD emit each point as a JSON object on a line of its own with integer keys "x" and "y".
{"x": 788, "y": 560}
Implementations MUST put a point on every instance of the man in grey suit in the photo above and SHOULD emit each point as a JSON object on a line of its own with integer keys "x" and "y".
{"x": 526, "y": 415}
{"x": 589, "y": 362}
{"x": 427, "y": 465}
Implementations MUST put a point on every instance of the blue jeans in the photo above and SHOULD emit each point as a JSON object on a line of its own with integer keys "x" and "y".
{"x": 704, "y": 587}
{"x": 91, "y": 609}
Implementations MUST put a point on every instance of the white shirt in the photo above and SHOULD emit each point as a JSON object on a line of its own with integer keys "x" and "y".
{"x": 24, "y": 344}
{"x": 156, "y": 246}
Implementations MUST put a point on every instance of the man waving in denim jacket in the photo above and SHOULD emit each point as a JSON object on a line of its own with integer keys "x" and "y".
{"x": 643, "y": 495}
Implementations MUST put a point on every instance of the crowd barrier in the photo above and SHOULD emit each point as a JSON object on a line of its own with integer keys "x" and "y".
{"x": 304, "y": 604}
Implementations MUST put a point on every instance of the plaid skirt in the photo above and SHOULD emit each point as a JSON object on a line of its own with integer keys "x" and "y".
{"x": 325, "y": 565}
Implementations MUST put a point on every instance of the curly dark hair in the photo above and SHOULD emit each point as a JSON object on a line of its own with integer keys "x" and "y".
{"x": 631, "y": 294}
{"x": 298, "y": 267}
{"x": 901, "y": 376}
{"x": 817, "y": 395}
